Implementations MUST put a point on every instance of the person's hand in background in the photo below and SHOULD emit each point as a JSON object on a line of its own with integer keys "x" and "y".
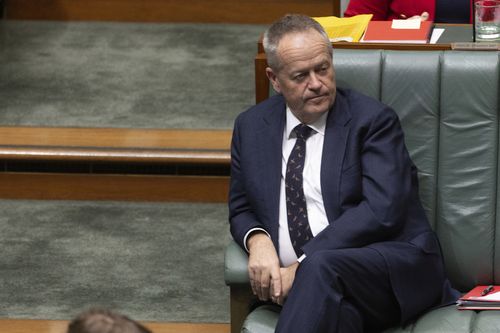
{"x": 422, "y": 17}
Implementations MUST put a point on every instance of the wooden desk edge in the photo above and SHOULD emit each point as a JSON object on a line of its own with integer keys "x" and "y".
{"x": 185, "y": 156}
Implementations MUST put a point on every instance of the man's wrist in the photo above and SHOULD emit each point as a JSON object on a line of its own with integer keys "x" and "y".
{"x": 250, "y": 233}
{"x": 255, "y": 237}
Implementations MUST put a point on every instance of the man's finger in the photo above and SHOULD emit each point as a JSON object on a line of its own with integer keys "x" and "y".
{"x": 276, "y": 282}
{"x": 274, "y": 291}
{"x": 251, "y": 275}
{"x": 254, "y": 288}
{"x": 264, "y": 286}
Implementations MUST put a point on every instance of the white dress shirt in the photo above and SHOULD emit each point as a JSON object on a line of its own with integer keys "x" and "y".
{"x": 312, "y": 185}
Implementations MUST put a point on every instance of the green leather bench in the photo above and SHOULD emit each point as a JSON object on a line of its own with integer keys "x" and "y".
{"x": 448, "y": 103}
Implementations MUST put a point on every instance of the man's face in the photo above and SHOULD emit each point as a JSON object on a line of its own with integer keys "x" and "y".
{"x": 306, "y": 77}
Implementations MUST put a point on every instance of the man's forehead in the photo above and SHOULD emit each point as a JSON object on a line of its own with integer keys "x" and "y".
{"x": 302, "y": 39}
{"x": 300, "y": 49}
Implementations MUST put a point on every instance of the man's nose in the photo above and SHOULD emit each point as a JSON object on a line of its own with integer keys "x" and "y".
{"x": 314, "y": 82}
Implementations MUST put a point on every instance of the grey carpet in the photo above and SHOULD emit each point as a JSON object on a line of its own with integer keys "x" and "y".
{"x": 151, "y": 261}
{"x": 94, "y": 74}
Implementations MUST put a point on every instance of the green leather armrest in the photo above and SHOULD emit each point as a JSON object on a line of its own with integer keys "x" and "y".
{"x": 236, "y": 260}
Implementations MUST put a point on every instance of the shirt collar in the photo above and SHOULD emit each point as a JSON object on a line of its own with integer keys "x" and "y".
{"x": 291, "y": 122}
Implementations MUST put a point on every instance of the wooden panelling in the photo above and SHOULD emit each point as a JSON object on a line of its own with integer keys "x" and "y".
{"x": 60, "y": 326}
{"x": 49, "y": 186}
{"x": 115, "y": 145}
{"x": 199, "y": 11}
{"x": 262, "y": 84}
{"x": 239, "y": 306}
{"x": 115, "y": 137}
{"x": 187, "y": 156}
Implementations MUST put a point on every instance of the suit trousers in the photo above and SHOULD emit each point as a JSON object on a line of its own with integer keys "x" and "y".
{"x": 344, "y": 290}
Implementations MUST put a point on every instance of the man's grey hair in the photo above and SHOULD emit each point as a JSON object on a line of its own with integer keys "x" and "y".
{"x": 104, "y": 321}
{"x": 290, "y": 23}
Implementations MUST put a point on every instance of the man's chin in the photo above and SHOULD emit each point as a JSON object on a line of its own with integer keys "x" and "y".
{"x": 315, "y": 112}
{"x": 318, "y": 105}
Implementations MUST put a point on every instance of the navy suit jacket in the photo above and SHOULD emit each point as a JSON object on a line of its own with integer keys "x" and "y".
{"x": 369, "y": 187}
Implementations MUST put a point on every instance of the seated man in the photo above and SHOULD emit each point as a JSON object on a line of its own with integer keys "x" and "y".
{"x": 324, "y": 197}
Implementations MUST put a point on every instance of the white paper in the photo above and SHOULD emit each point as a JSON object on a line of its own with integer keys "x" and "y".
{"x": 436, "y": 33}
{"x": 406, "y": 24}
{"x": 341, "y": 39}
{"x": 491, "y": 297}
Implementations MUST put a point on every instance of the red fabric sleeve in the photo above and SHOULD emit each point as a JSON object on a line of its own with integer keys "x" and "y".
{"x": 384, "y": 10}
{"x": 379, "y": 8}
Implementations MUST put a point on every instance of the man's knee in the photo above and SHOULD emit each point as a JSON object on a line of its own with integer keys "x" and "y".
{"x": 314, "y": 262}
{"x": 337, "y": 267}
{"x": 330, "y": 260}
{"x": 320, "y": 265}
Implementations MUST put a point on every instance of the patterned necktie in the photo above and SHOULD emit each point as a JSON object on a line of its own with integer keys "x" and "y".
{"x": 298, "y": 224}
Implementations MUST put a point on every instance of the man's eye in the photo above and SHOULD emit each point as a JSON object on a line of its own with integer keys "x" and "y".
{"x": 299, "y": 77}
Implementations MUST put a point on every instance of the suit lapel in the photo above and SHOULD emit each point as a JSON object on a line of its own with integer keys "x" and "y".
{"x": 334, "y": 147}
{"x": 271, "y": 140}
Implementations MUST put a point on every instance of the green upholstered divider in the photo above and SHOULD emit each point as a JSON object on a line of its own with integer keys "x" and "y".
{"x": 410, "y": 85}
{"x": 412, "y": 89}
{"x": 468, "y": 156}
{"x": 496, "y": 259}
{"x": 353, "y": 71}
{"x": 430, "y": 92}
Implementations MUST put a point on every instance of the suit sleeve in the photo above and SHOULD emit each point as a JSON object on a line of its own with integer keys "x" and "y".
{"x": 386, "y": 188}
{"x": 241, "y": 216}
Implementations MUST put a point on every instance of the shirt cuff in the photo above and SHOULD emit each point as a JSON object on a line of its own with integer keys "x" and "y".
{"x": 248, "y": 234}
{"x": 302, "y": 257}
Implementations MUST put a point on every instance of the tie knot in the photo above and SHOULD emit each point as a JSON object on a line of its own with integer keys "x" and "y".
{"x": 303, "y": 131}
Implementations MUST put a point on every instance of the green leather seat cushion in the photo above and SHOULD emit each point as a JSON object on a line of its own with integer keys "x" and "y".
{"x": 446, "y": 320}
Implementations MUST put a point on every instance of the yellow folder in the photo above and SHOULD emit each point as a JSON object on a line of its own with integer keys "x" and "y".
{"x": 349, "y": 29}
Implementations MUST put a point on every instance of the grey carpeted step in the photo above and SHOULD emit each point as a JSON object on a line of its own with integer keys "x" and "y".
{"x": 98, "y": 74}
{"x": 158, "y": 262}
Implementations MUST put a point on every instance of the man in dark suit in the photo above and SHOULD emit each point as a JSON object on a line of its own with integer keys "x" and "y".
{"x": 324, "y": 197}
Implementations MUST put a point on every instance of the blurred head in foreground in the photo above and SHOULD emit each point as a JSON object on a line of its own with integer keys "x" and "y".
{"x": 104, "y": 321}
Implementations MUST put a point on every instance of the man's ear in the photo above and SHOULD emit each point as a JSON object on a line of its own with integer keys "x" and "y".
{"x": 274, "y": 79}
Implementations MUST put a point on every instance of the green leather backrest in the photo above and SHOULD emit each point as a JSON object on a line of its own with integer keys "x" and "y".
{"x": 448, "y": 103}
